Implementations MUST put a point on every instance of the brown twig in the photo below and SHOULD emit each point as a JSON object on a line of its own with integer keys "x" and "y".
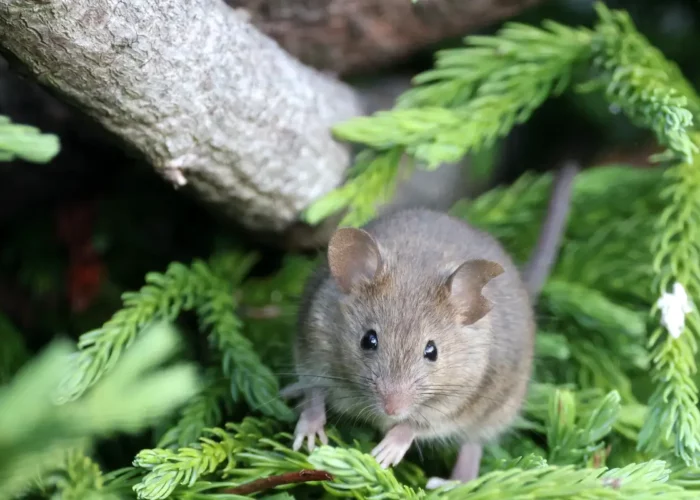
{"x": 266, "y": 483}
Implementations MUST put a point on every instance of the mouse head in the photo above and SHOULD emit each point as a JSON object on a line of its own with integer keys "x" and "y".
{"x": 413, "y": 341}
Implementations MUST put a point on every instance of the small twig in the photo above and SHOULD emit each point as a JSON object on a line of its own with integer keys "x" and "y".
{"x": 266, "y": 483}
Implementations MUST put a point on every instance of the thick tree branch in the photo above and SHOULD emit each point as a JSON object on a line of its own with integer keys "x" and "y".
{"x": 347, "y": 36}
{"x": 209, "y": 101}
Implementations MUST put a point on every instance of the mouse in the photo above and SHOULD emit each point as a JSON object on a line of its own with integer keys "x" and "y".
{"x": 422, "y": 326}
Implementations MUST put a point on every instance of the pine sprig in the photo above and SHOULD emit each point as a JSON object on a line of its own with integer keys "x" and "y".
{"x": 474, "y": 96}
{"x": 201, "y": 412}
{"x": 674, "y": 415}
{"x": 23, "y": 142}
{"x": 572, "y": 439}
{"x": 477, "y": 94}
{"x": 592, "y": 310}
{"x": 80, "y": 478}
{"x": 208, "y": 288}
{"x": 494, "y": 84}
{"x": 359, "y": 474}
{"x": 372, "y": 182}
{"x": 168, "y": 469}
{"x": 219, "y": 450}
{"x": 644, "y": 481}
{"x": 162, "y": 298}
{"x": 639, "y": 80}
{"x": 36, "y": 434}
{"x": 249, "y": 377}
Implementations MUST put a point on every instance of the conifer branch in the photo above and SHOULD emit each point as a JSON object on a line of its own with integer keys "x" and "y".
{"x": 249, "y": 377}
{"x": 372, "y": 181}
{"x": 644, "y": 481}
{"x": 210, "y": 290}
{"x": 674, "y": 415}
{"x": 200, "y": 413}
{"x": 638, "y": 79}
{"x": 219, "y": 449}
{"x": 80, "y": 478}
{"x": 23, "y": 142}
{"x": 477, "y": 94}
{"x": 168, "y": 469}
{"x": 358, "y": 473}
{"x": 572, "y": 439}
{"x": 163, "y": 297}
{"x": 36, "y": 435}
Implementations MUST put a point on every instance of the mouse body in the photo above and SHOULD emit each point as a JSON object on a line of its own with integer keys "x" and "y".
{"x": 421, "y": 325}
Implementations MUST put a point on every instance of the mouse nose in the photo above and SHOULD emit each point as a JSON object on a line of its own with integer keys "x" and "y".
{"x": 395, "y": 403}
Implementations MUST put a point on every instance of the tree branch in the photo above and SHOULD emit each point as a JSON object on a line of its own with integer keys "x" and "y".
{"x": 349, "y": 36}
{"x": 210, "y": 102}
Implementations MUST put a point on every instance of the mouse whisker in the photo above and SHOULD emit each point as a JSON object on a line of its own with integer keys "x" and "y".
{"x": 361, "y": 413}
{"x": 436, "y": 409}
{"x": 328, "y": 377}
{"x": 452, "y": 394}
{"x": 340, "y": 413}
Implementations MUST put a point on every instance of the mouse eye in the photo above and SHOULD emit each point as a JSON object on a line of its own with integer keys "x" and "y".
{"x": 369, "y": 340}
{"x": 430, "y": 351}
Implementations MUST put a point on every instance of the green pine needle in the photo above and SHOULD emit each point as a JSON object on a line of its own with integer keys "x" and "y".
{"x": 218, "y": 449}
{"x": 23, "y": 142}
{"x": 201, "y": 412}
{"x": 208, "y": 288}
{"x": 674, "y": 416}
{"x": 163, "y": 297}
{"x": 358, "y": 474}
{"x": 36, "y": 435}
{"x": 249, "y": 377}
{"x": 638, "y": 80}
{"x": 573, "y": 440}
{"x": 477, "y": 94}
{"x": 373, "y": 181}
{"x": 644, "y": 481}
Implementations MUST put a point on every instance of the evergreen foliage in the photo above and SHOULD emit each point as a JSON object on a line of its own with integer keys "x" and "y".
{"x": 37, "y": 436}
{"x": 612, "y": 411}
{"x": 476, "y": 94}
{"x": 23, "y": 142}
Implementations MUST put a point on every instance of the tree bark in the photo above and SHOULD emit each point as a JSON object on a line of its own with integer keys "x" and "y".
{"x": 211, "y": 103}
{"x": 350, "y": 36}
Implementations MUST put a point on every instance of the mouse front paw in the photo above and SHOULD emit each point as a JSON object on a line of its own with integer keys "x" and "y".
{"x": 311, "y": 424}
{"x": 391, "y": 450}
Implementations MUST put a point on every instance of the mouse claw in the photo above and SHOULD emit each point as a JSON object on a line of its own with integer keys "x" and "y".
{"x": 310, "y": 425}
{"x": 391, "y": 450}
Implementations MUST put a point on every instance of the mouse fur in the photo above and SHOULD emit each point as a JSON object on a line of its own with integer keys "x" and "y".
{"x": 475, "y": 388}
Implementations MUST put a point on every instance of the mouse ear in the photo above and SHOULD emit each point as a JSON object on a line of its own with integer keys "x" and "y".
{"x": 353, "y": 257}
{"x": 465, "y": 285}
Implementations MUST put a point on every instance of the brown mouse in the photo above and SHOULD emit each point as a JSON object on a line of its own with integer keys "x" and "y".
{"x": 422, "y": 326}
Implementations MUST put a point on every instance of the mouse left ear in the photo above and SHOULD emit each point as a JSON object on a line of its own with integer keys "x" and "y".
{"x": 465, "y": 285}
{"x": 353, "y": 257}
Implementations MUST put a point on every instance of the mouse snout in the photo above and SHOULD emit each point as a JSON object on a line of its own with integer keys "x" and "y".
{"x": 395, "y": 403}
{"x": 394, "y": 400}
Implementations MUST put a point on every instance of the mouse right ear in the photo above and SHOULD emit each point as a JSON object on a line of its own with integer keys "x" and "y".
{"x": 353, "y": 257}
{"x": 465, "y": 285}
